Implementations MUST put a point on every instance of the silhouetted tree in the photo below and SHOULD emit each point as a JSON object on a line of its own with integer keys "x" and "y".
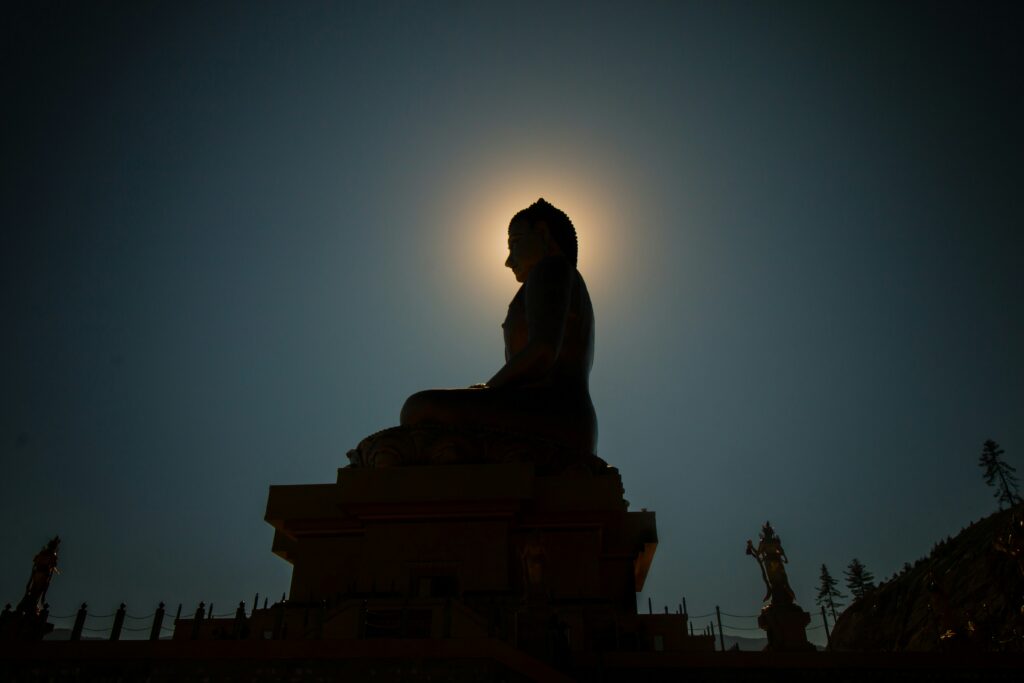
{"x": 858, "y": 579}
{"x": 999, "y": 473}
{"x": 828, "y": 594}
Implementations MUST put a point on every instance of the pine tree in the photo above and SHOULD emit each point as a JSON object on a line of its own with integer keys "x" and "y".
{"x": 858, "y": 579}
{"x": 828, "y": 594}
{"x": 999, "y": 473}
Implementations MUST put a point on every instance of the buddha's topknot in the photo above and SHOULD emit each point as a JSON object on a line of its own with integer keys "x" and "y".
{"x": 559, "y": 226}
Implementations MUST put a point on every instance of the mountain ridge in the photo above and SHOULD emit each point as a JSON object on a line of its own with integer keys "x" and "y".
{"x": 967, "y": 594}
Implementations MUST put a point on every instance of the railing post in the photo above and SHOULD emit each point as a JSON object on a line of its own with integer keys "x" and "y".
{"x": 828, "y": 636}
{"x": 197, "y": 621}
{"x": 239, "y": 620}
{"x": 711, "y": 630}
{"x": 721, "y": 633}
{"x": 158, "y": 623}
{"x": 115, "y": 631}
{"x": 76, "y": 630}
{"x": 255, "y": 603}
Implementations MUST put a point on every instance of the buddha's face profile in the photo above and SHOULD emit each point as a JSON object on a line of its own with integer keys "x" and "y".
{"x": 527, "y": 245}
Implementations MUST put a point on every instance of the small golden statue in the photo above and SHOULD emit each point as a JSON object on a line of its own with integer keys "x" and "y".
{"x": 771, "y": 558}
{"x": 29, "y": 620}
{"x": 781, "y": 618}
{"x": 44, "y": 566}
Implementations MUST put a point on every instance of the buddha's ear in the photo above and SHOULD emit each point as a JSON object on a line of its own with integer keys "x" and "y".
{"x": 545, "y": 234}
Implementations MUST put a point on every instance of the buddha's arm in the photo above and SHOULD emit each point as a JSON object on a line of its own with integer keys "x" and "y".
{"x": 547, "y": 295}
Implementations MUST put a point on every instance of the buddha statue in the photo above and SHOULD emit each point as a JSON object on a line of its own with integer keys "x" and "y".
{"x": 542, "y": 390}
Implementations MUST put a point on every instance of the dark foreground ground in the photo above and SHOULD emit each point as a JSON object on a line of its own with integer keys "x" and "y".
{"x": 388, "y": 661}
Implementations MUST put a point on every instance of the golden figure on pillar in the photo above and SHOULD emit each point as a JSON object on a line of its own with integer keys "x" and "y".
{"x": 44, "y": 566}
{"x": 772, "y": 560}
{"x": 781, "y": 618}
{"x": 29, "y": 620}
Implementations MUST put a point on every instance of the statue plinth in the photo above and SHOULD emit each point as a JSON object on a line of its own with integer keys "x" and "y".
{"x": 476, "y": 528}
{"x": 785, "y": 624}
{"x": 22, "y": 625}
{"x": 510, "y": 540}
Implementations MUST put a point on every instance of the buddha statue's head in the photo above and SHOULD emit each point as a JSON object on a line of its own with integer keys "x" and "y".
{"x": 538, "y": 231}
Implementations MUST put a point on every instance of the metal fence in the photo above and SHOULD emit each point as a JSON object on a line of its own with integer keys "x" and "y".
{"x": 123, "y": 625}
{"x": 746, "y": 628}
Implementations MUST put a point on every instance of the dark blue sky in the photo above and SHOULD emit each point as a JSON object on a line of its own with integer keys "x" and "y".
{"x": 235, "y": 238}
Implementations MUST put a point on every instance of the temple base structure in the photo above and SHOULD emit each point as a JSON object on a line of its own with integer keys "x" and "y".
{"x": 547, "y": 565}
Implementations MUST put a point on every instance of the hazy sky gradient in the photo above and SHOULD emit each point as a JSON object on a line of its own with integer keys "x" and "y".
{"x": 235, "y": 238}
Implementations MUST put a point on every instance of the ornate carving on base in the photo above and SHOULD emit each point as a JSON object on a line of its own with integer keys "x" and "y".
{"x": 426, "y": 445}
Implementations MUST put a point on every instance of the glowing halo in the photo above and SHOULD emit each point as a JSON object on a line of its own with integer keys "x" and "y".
{"x": 478, "y": 222}
{"x": 483, "y": 184}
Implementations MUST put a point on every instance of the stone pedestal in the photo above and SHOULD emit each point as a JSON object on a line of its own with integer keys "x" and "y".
{"x": 549, "y": 563}
{"x": 786, "y": 626}
{"x": 493, "y": 537}
{"x": 20, "y": 625}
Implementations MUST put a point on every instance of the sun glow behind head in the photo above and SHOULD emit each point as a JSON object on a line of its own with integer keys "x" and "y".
{"x": 478, "y": 215}
{"x": 491, "y": 175}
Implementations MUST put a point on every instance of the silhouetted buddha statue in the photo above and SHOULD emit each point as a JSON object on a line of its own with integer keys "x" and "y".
{"x": 543, "y": 388}
{"x": 537, "y": 407}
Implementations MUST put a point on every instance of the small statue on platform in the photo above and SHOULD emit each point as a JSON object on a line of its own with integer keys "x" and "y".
{"x": 30, "y": 619}
{"x": 44, "y": 566}
{"x": 771, "y": 558}
{"x": 781, "y": 618}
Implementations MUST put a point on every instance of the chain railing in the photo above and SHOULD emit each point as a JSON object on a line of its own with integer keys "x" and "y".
{"x": 719, "y": 628}
{"x": 110, "y": 626}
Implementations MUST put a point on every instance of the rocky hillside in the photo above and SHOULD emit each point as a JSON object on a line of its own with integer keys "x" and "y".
{"x": 966, "y": 595}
